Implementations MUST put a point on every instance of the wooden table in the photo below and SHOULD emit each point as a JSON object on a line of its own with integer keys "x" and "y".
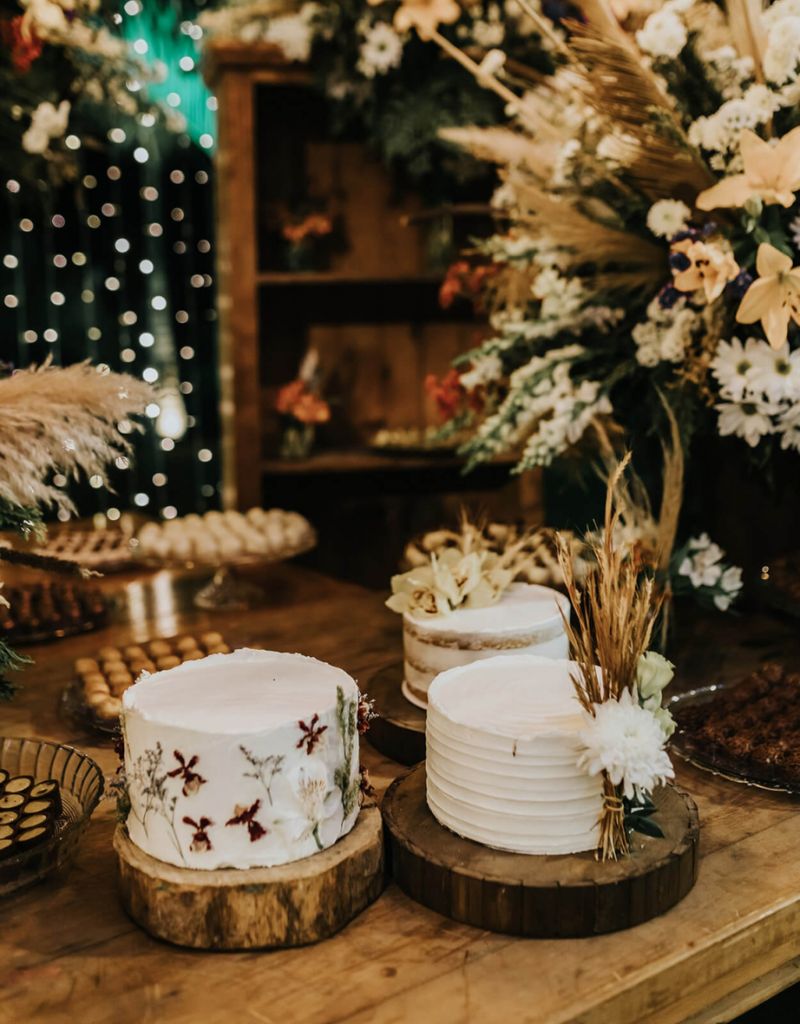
{"x": 70, "y": 954}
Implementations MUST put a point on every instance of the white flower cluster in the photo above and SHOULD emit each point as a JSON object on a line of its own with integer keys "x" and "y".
{"x": 293, "y": 33}
{"x": 47, "y": 122}
{"x": 719, "y": 132}
{"x": 625, "y": 740}
{"x": 559, "y": 409}
{"x": 760, "y": 391}
{"x": 701, "y": 563}
{"x": 663, "y": 34}
{"x": 381, "y": 49}
{"x": 729, "y": 73}
{"x": 490, "y": 31}
{"x": 484, "y": 369}
{"x": 665, "y": 334}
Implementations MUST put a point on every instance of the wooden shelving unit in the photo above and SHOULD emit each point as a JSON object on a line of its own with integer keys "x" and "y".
{"x": 373, "y": 315}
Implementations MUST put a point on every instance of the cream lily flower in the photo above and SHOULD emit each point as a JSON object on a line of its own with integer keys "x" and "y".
{"x": 710, "y": 268}
{"x": 774, "y": 298}
{"x": 770, "y": 172}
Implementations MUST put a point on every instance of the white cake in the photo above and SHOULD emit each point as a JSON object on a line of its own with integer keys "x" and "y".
{"x": 526, "y": 620}
{"x": 241, "y": 760}
{"x": 502, "y": 756}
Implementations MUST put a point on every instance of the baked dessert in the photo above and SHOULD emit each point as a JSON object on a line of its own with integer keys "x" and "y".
{"x": 241, "y": 760}
{"x": 502, "y": 757}
{"x": 105, "y": 550}
{"x": 29, "y": 811}
{"x": 49, "y": 610}
{"x": 103, "y": 680}
{"x": 217, "y": 537}
{"x": 526, "y": 620}
{"x": 750, "y": 729}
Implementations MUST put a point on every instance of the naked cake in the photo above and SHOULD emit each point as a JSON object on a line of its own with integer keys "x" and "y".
{"x": 241, "y": 760}
{"x": 527, "y": 619}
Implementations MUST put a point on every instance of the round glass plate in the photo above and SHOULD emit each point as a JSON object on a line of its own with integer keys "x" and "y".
{"x": 727, "y": 767}
{"x": 81, "y": 783}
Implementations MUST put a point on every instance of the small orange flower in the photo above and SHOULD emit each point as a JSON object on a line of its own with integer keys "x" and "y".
{"x": 710, "y": 268}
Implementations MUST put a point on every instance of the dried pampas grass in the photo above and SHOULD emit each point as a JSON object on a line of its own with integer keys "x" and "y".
{"x": 62, "y": 420}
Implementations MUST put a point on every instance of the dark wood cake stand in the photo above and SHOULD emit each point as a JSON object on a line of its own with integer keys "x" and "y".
{"x": 399, "y": 730}
{"x": 289, "y": 905}
{"x": 539, "y": 896}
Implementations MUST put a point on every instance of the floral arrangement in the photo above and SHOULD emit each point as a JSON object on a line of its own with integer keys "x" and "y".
{"x": 303, "y": 236}
{"x": 647, "y": 255}
{"x": 66, "y": 75}
{"x": 468, "y": 569}
{"x": 56, "y": 421}
{"x": 619, "y": 682}
{"x": 381, "y": 81}
{"x": 302, "y": 409}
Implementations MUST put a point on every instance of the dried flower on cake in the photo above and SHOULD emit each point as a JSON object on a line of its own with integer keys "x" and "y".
{"x": 201, "y": 841}
{"x": 192, "y": 780}
{"x": 312, "y": 734}
{"x": 247, "y": 816}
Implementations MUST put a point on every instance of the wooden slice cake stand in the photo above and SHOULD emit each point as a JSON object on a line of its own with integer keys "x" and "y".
{"x": 539, "y": 897}
{"x": 399, "y": 730}
{"x": 289, "y": 905}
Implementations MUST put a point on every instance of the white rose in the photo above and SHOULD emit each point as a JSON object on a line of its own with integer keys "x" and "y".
{"x": 653, "y": 674}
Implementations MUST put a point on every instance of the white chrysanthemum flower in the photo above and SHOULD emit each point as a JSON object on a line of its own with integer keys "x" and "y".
{"x": 734, "y": 365}
{"x": 750, "y": 420}
{"x": 662, "y": 35}
{"x": 776, "y": 375}
{"x": 626, "y": 741}
{"x": 667, "y": 217}
{"x": 381, "y": 50}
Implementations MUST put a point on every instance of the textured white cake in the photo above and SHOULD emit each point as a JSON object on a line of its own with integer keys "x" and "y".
{"x": 241, "y": 760}
{"x": 502, "y": 756}
{"x": 526, "y": 620}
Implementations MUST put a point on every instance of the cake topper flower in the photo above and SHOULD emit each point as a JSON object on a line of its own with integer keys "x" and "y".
{"x": 473, "y": 570}
{"x": 774, "y": 298}
{"x": 771, "y": 173}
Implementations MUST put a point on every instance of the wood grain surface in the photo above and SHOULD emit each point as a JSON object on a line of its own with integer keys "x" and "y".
{"x": 289, "y": 905}
{"x": 71, "y": 954}
{"x": 539, "y": 897}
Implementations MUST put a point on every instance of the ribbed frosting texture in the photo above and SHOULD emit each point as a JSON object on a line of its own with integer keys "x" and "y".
{"x": 502, "y": 755}
{"x": 526, "y": 620}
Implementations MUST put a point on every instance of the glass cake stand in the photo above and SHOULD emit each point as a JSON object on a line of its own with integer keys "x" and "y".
{"x": 226, "y": 590}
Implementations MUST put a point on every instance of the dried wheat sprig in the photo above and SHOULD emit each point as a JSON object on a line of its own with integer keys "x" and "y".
{"x": 615, "y": 610}
{"x": 62, "y": 420}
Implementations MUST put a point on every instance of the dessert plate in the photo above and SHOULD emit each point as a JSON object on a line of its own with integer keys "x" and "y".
{"x": 725, "y": 765}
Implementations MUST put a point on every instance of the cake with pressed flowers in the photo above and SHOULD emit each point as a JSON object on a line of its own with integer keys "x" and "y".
{"x": 527, "y": 619}
{"x": 241, "y": 760}
{"x": 502, "y": 757}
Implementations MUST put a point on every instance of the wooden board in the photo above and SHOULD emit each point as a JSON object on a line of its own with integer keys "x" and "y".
{"x": 539, "y": 896}
{"x": 289, "y": 905}
{"x": 399, "y": 730}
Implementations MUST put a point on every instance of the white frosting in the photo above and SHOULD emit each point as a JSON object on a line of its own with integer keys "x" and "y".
{"x": 526, "y": 620}
{"x": 502, "y": 754}
{"x": 248, "y": 720}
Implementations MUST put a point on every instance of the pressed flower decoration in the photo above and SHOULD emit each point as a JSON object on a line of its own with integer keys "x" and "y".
{"x": 647, "y": 208}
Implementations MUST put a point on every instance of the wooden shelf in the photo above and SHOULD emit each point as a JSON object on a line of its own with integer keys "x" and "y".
{"x": 358, "y": 460}
{"x": 300, "y": 279}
